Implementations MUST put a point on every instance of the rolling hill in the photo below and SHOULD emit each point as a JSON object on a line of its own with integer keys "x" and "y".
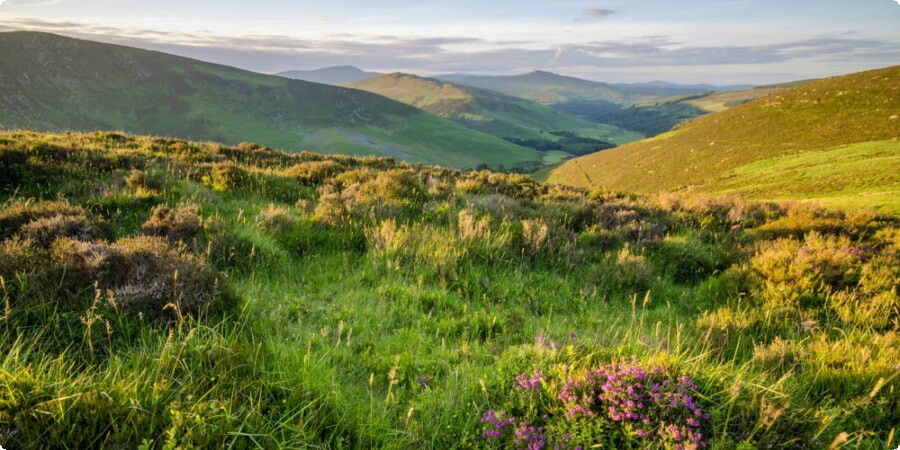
{"x": 661, "y": 115}
{"x": 833, "y": 139}
{"x": 488, "y": 111}
{"x": 330, "y": 75}
{"x": 52, "y": 83}
{"x": 549, "y": 88}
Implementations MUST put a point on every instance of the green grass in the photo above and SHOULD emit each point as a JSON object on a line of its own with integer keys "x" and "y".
{"x": 67, "y": 84}
{"x": 391, "y": 305}
{"x": 703, "y": 154}
{"x": 863, "y": 175}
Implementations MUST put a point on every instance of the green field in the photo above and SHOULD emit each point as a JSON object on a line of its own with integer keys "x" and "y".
{"x": 158, "y": 293}
{"x": 53, "y": 83}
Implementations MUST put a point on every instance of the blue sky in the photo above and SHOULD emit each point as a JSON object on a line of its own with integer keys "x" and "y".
{"x": 717, "y": 41}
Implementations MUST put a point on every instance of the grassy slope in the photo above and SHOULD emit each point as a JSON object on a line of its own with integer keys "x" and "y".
{"x": 50, "y": 82}
{"x": 488, "y": 111}
{"x": 720, "y": 101}
{"x": 354, "y": 333}
{"x": 811, "y": 117}
{"x": 863, "y": 175}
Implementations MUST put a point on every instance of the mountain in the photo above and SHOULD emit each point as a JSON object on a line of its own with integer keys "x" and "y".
{"x": 330, "y": 75}
{"x": 834, "y": 139}
{"x": 49, "y": 82}
{"x": 547, "y": 87}
{"x": 601, "y": 103}
{"x": 665, "y": 88}
{"x": 488, "y": 111}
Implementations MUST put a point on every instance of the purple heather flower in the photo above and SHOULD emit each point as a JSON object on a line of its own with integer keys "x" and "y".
{"x": 525, "y": 382}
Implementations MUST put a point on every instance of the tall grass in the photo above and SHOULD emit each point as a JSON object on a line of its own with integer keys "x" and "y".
{"x": 394, "y": 308}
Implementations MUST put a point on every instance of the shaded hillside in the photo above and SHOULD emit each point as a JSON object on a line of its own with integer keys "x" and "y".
{"x": 49, "y": 82}
{"x": 648, "y": 119}
{"x": 705, "y": 154}
{"x": 330, "y": 75}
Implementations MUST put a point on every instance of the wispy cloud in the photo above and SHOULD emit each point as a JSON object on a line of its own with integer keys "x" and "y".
{"x": 597, "y": 13}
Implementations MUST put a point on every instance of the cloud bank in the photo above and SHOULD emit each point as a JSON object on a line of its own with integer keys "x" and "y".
{"x": 636, "y": 59}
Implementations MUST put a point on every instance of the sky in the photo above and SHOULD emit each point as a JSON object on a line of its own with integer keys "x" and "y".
{"x": 684, "y": 41}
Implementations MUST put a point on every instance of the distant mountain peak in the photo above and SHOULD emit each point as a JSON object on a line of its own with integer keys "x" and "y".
{"x": 330, "y": 75}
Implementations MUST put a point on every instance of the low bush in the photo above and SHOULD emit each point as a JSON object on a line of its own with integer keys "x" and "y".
{"x": 620, "y": 405}
{"x": 80, "y": 226}
{"x": 180, "y": 224}
{"x": 141, "y": 179}
{"x": 313, "y": 173}
{"x": 226, "y": 177}
{"x": 150, "y": 278}
{"x": 802, "y": 273}
{"x": 624, "y": 273}
{"x": 14, "y": 215}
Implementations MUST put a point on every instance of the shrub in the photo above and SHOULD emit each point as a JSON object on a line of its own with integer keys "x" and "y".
{"x": 597, "y": 239}
{"x": 139, "y": 180}
{"x": 539, "y": 238}
{"x": 15, "y": 215}
{"x": 623, "y": 405}
{"x": 150, "y": 278}
{"x": 19, "y": 257}
{"x": 801, "y": 273}
{"x": 13, "y": 167}
{"x": 471, "y": 227}
{"x": 225, "y": 177}
{"x": 626, "y": 273}
{"x": 45, "y": 230}
{"x": 690, "y": 260}
{"x": 315, "y": 172}
{"x": 275, "y": 219}
{"x": 180, "y": 224}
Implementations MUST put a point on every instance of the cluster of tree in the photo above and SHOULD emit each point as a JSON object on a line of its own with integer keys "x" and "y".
{"x": 568, "y": 142}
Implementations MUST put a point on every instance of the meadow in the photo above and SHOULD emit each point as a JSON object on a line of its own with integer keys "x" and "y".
{"x": 199, "y": 295}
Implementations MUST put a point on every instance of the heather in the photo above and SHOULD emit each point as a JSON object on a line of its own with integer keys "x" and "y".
{"x": 160, "y": 293}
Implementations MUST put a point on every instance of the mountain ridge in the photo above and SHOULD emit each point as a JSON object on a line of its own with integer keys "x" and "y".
{"x": 333, "y": 75}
